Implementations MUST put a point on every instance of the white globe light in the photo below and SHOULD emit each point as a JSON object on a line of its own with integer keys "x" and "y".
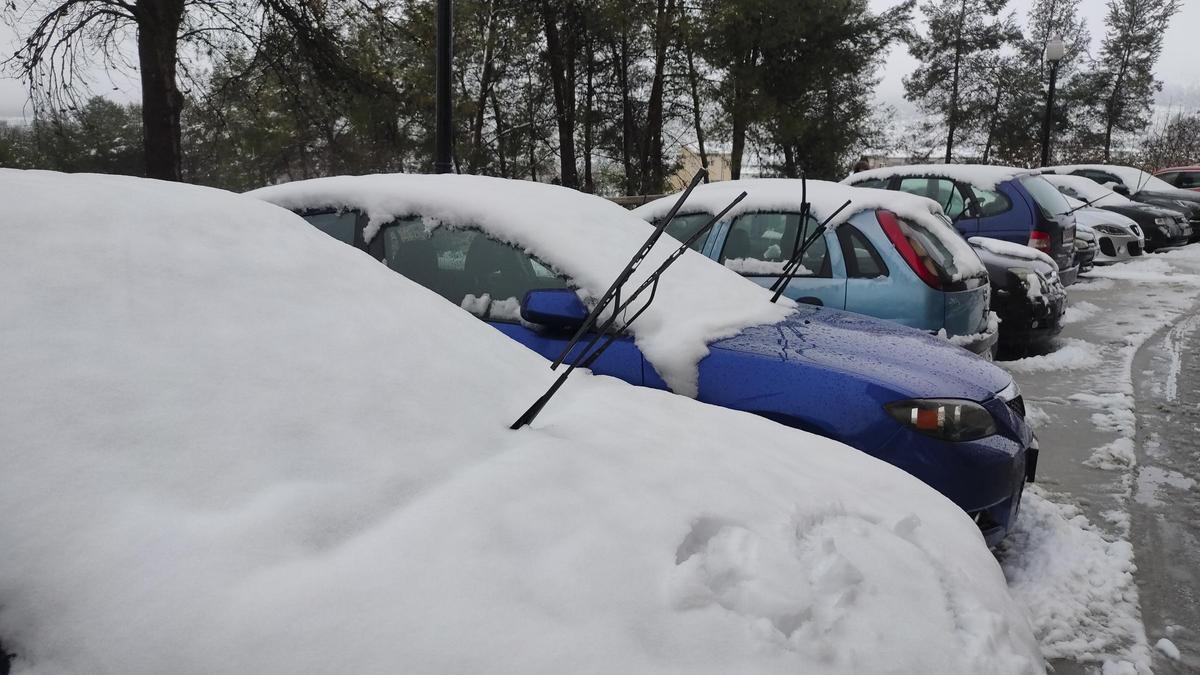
{"x": 1056, "y": 49}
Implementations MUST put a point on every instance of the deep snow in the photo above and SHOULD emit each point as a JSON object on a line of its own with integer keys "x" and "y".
{"x": 232, "y": 444}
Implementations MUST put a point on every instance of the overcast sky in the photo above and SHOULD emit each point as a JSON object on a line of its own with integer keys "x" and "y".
{"x": 1179, "y": 67}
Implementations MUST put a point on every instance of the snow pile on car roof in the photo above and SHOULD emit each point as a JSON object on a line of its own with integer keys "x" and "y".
{"x": 1135, "y": 179}
{"x": 587, "y": 238}
{"x": 784, "y": 194}
{"x": 231, "y": 444}
{"x": 983, "y": 176}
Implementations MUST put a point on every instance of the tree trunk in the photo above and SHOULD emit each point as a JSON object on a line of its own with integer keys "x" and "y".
{"x": 589, "y": 95}
{"x": 562, "y": 81}
{"x": 1111, "y": 109}
{"x": 651, "y": 154}
{"x": 499, "y": 134}
{"x": 621, "y": 61}
{"x": 694, "y": 85}
{"x": 478, "y": 154}
{"x": 991, "y": 135}
{"x": 158, "y": 23}
{"x": 738, "y": 114}
{"x": 952, "y": 112}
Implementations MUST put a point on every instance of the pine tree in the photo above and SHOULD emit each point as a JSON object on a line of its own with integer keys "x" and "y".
{"x": 1119, "y": 91}
{"x": 962, "y": 36}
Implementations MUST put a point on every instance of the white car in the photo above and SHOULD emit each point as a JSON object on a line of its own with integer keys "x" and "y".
{"x": 1118, "y": 236}
{"x": 231, "y": 444}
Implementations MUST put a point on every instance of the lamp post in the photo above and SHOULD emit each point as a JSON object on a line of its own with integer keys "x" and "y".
{"x": 444, "y": 132}
{"x": 1056, "y": 49}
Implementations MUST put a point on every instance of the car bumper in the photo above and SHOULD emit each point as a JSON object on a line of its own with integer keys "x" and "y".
{"x": 1025, "y": 321}
{"x": 985, "y": 478}
{"x": 983, "y": 344}
{"x": 1069, "y": 275}
{"x": 1116, "y": 248}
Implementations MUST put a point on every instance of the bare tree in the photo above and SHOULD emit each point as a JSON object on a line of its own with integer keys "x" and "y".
{"x": 62, "y": 37}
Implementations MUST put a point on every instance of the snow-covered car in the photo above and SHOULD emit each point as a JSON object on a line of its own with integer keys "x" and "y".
{"x": 913, "y": 269}
{"x": 1027, "y": 294}
{"x": 1161, "y": 227}
{"x": 526, "y": 258}
{"x": 1117, "y": 237}
{"x": 1141, "y": 187}
{"x": 233, "y": 445}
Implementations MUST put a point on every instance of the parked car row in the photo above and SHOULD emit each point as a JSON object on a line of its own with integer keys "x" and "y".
{"x": 230, "y": 439}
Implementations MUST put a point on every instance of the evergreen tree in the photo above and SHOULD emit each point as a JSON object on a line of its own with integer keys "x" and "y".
{"x": 962, "y": 36}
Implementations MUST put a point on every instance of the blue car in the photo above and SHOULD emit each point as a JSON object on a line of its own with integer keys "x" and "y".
{"x": 1005, "y": 203}
{"x": 939, "y": 412}
{"x": 894, "y": 258}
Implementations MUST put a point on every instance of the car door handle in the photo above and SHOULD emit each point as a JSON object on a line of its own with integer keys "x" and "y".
{"x": 811, "y": 301}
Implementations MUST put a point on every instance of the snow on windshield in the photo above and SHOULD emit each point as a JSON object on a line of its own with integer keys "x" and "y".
{"x": 1086, "y": 189}
{"x": 984, "y": 176}
{"x": 587, "y": 238}
{"x": 1134, "y": 179}
{"x": 232, "y": 444}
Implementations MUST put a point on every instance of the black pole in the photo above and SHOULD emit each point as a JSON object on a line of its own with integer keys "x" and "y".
{"x": 1047, "y": 123}
{"x": 444, "y": 133}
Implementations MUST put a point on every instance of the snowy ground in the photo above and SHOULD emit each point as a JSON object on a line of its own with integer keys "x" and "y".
{"x": 1107, "y": 550}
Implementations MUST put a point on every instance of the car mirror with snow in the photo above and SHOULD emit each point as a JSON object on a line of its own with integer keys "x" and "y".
{"x": 558, "y": 308}
{"x": 1117, "y": 188}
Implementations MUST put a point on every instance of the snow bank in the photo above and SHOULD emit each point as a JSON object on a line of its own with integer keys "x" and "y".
{"x": 1079, "y": 311}
{"x": 1147, "y": 270}
{"x": 1001, "y": 247}
{"x": 584, "y": 237}
{"x": 825, "y": 198}
{"x": 1078, "y": 585}
{"x": 1070, "y": 353}
{"x": 231, "y": 444}
{"x": 984, "y": 176}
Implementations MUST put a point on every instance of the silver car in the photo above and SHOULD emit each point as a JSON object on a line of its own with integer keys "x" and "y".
{"x": 1118, "y": 237}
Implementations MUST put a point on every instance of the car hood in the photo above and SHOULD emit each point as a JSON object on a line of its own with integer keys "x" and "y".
{"x": 1143, "y": 210}
{"x": 907, "y": 361}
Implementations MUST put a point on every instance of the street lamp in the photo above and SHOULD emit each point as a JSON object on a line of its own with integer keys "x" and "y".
{"x": 443, "y": 132}
{"x": 1056, "y": 49}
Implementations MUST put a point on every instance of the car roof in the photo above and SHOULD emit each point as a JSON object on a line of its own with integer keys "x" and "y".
{"x": 984, "y": 176}
{"x": 584, "y": 237}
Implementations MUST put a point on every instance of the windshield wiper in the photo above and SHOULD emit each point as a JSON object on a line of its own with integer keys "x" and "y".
{"x": 793, "y": 265}
{"x": 1083, "y": 206}
{"x": 614, "y": 291}
{"x": 591, "y": 352}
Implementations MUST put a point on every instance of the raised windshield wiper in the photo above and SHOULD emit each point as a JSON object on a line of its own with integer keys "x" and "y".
{"x": 613, "y": 294}
{"x": 793, "y": 265}
{"x": 1083, "y": 205}
{"x": 591, "y": 352}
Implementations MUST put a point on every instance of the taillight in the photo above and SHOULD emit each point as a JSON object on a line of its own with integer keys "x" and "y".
{"x": 1040, "y": 241}
{"x": 895, "y": 233}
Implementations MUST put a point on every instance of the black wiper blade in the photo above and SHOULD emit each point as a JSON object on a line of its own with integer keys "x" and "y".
{"x": 589, "y": 355}
{"x": 1083, "y": 206}
{"x": 793, "y": 265}
{"x": 614, "y": 291}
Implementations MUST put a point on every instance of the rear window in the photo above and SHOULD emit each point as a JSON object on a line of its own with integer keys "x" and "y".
{"x": 1048, "y": 198}
{"x": 944, "y": 253}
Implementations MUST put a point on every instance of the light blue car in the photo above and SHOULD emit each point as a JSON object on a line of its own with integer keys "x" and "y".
{"x": 895, "y": 257}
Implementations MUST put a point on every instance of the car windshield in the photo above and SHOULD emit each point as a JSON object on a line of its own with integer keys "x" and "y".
{"x": 1086, "y": 189}
{"x": 1048, "y": 198}
{"x": 1147, "y": 182}
{"x": 683, "y": 227}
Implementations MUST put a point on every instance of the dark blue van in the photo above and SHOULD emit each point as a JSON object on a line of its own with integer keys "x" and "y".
{"x": 1007, "y": 203}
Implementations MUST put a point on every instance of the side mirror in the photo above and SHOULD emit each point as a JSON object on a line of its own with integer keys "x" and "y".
{"x": 1118, "y": 188}
{"x": 558, "y": 308}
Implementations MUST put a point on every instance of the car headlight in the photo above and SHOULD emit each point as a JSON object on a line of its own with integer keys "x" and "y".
{"x": 1161, "y": 220}
{"x": 1027, "y": 277}
{"x": 947, "y": 419}
{"x": 1109, "y": 229}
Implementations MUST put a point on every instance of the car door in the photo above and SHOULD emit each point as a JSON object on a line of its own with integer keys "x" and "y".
{"x": 869, "y": 286}
{"x": 489, "y": 279}
{"x": 998, "y": 216}
{"x": 758, "y": 244}
{"x": 953, "y": 197}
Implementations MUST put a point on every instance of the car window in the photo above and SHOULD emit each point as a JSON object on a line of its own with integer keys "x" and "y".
{"x": 340, "y": 226}
{"x": 683, "y": 227}
{"x": 760, "y": 244}
{"x": 941, "y": 190}
{"x": 862, "y": 259}
{"x": 486, "y": 277}
{"x": 1188, "y": 180}
{"x": 991, "y": 202}
{"x": 1047, "y": 197}
{"x": 877, "y": 183}
{"x": 1170, "y": 177}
